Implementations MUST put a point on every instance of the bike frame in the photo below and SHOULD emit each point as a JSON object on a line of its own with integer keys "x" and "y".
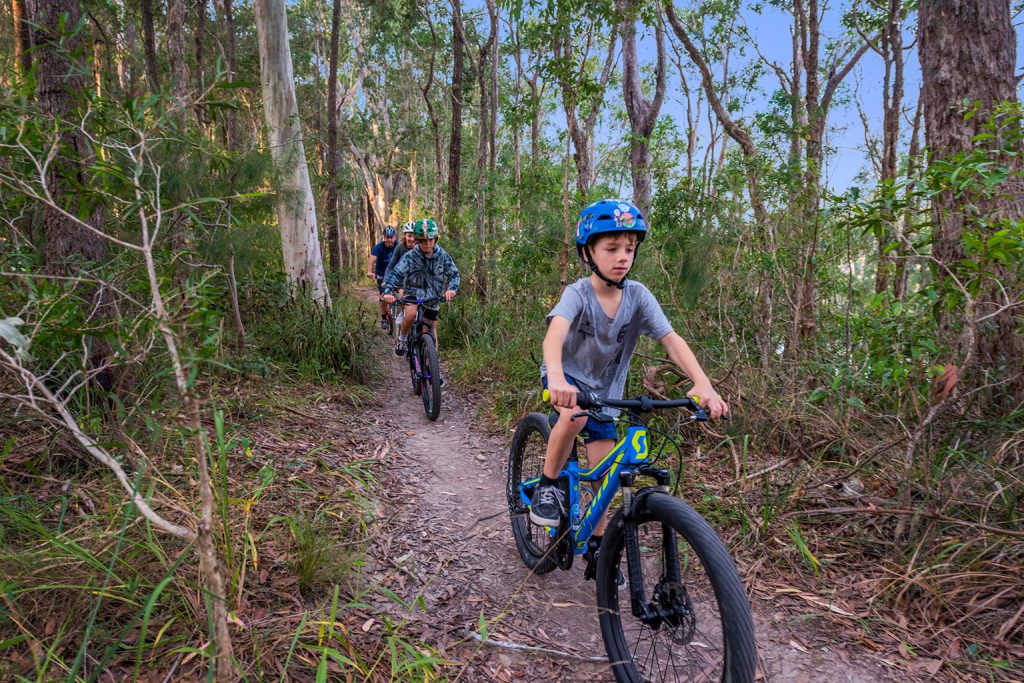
{"x": 420, "y": 326}
{"x": 630, "y": 456}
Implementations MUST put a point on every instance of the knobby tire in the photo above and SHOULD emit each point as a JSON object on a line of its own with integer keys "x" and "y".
{"x": 710, "y": 636}
{"x": 430, "y": 378}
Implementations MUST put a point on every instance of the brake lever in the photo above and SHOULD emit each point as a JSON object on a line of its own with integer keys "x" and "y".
{"x": 596, "y": 417}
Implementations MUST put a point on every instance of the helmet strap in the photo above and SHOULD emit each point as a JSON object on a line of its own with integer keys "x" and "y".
{"x": 597, "y": 271}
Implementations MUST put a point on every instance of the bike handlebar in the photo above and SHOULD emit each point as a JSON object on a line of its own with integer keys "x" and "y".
{"x": 642, "y": 404}
{"x": 436, "y": 299}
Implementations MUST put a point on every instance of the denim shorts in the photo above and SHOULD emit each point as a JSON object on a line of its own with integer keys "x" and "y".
{"x": 594, "y": 431}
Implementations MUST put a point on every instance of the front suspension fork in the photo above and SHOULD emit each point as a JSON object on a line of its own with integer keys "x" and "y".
{"x": 637, "y": 596}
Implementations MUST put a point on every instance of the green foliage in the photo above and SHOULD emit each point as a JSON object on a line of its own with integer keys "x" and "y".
{"x": 298, "y": 334}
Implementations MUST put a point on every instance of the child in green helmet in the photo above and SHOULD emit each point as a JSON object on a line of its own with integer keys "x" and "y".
{"x": 426, "y": 272}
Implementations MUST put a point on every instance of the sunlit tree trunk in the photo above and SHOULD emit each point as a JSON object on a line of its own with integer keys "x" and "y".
{"x": 817, "y": 104}
{"x": 889, "y": 45}
{"x": 22, "y": 38}
{"x": 294, "y": 206}
{"x": 487, "y": 109}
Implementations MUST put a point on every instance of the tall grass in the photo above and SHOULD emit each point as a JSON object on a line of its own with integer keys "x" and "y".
{"x": 299, "y": 335}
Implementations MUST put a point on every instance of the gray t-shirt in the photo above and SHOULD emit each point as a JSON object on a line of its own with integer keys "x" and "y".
{"x": 597, "y": 349}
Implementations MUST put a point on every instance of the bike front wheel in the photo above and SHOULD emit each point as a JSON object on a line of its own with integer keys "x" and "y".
{"x": 430, "y": 377}
{"x": 694, "y": 622}
{"x": 414, "y": 367}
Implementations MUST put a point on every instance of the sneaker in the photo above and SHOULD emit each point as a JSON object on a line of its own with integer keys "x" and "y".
{"x": 402, "y": 346}
{"x": 547, "y": 506}
{"x": 384, "y": 325}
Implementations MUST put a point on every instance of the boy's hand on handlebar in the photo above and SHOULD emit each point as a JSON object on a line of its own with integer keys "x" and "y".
{"x": 563, "y": 394}
{"x": 449, "y": 295}
{"x": 709, "y": 400}
{"x": 388, "y": 298}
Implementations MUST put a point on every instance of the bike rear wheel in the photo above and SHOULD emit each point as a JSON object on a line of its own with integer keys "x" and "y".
{"x": 526, "y": 462}
{"x": 698, "y": 625}
{"x": 430, "y": 377}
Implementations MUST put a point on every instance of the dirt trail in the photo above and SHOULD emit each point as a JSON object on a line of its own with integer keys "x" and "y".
{"x": 449, "y": 544}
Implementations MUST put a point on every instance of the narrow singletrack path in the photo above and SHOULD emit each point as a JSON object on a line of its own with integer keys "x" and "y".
{"x": 448, "y": 553}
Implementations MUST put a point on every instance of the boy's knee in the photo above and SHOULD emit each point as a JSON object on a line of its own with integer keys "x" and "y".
{"x": 566, "y": 422}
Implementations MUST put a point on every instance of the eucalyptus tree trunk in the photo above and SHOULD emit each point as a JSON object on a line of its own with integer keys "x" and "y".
{"x": 765, "y": 236}
{"x": 294, "y": 205}
{"x": 581, "y": 129}
{"x": 126, "y": 53}
{"x": 435, "y": 125}
{"x": 230, "y": 118}
{"x": 642, "y": 113}
{"x": 149, "y": 45}
{"x": 335, "y": 237}
{"x": 817, "y": 103}
{"x": 889, "y": 45}
{"x": 517, "y": 103}
{"x": 967, "y": 52}
{"x": 22, "y": 38}
{"x": 61, "y": 81}
{"x": 486, "y": 108}
{"x": 200, "y": 49}
{"x": 455, "y": 142}
{"x": 536, "y": 93}
{"x": 176, "y": 48}
{"x": 912, "y": 204}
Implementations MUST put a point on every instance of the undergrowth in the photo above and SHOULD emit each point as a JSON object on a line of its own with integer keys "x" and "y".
{"x": 800, "y": 480}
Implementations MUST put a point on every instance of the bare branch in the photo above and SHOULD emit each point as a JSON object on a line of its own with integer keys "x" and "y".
{"x": 67, "y": 420}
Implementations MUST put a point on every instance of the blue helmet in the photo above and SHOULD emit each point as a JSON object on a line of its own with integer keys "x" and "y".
{"x": 389, "y": 231}
{"x": 609, "y": 215}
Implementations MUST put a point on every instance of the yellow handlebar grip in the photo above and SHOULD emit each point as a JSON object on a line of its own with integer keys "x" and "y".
{"x": 695, "y": 399}
{"x": 546, "y": 396}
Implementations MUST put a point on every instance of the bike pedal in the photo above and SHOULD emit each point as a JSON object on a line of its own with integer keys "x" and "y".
{"x": 590, "y": 572}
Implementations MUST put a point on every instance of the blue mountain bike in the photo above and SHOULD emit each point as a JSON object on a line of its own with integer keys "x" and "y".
{"x": 671, "y": 604}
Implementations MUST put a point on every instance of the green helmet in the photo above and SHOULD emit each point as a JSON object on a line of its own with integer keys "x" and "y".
{"x": 425, "y": 228}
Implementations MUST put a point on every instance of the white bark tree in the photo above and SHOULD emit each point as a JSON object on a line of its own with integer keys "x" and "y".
{"x": 295, "y": 208}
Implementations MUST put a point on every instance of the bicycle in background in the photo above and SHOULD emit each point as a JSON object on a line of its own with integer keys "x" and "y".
{"x": 424, "y": 366}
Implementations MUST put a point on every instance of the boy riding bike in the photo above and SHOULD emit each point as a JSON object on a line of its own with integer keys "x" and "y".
{"x": 377, "y": 265}
{"x": 592, "y": 333}
{"x": 423, "y": 272}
